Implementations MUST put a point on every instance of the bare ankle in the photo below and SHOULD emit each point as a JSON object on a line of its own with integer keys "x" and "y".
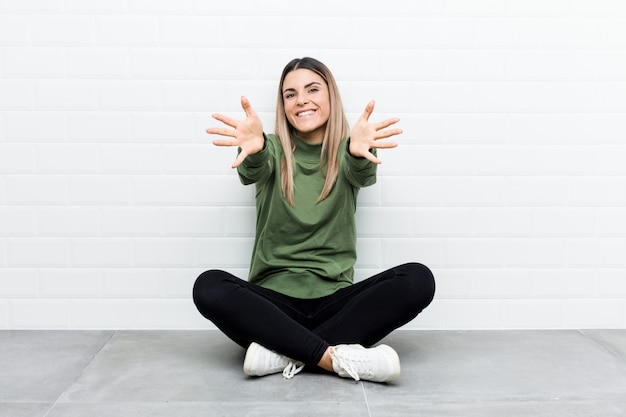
{"x": 326, "y": 362}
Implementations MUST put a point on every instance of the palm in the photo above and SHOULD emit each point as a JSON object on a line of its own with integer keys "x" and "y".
{"x": 247, "y": 134}
{"x": 366, "y": 136}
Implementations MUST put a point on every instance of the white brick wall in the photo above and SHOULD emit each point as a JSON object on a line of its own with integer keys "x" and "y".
{"x": 510, "y": 179}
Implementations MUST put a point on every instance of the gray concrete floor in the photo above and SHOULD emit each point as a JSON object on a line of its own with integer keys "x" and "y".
{"x": 198, "y": 373}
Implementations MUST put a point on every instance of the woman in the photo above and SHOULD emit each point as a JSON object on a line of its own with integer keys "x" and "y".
{"x": 299, "y": 306}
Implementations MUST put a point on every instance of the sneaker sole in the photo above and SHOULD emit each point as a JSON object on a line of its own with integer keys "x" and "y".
{"x": 248, "y": 366}
{"x": 393, "y": 361}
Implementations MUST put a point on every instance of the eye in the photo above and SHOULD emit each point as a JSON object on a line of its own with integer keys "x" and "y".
{"x": 289, "y": 95}
{"x": 314, "y": 90}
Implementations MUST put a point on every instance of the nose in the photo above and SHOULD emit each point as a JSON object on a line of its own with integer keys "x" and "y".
{"x": 302, "y": 100}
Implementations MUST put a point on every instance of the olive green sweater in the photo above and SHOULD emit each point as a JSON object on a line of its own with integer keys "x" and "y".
{"x": 308, "y": 250}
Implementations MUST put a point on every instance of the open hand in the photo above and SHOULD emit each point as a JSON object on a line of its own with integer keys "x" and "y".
{"x": 247, "y": 133}
{"x": 365, "y": 135}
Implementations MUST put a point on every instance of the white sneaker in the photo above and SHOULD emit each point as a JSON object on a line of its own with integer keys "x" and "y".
{"x": 261, "y": 361}
{"x": 377, "y": 364}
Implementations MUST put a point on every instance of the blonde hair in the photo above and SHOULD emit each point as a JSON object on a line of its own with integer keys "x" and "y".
{"x": 337, "y": 129}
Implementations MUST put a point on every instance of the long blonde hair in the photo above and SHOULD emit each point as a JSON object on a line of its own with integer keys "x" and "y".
{"x": 337, "y": 129}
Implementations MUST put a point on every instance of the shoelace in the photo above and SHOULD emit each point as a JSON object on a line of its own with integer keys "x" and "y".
{"x": 292, "y": 369}
{"x": 348, "y": 364}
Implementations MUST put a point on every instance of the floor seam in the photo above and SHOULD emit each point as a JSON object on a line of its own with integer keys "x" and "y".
{"x": 95, "y": 355}
{"x": 367, "y": 405}
{"x": 606, "y": 348}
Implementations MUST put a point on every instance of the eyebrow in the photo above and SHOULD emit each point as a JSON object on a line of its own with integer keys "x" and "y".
{"x": 306, "y": 86}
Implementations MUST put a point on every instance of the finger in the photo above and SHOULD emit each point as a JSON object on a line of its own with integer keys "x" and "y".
{"x": 224, "y": 142}
{"x": 386, "y": 123}
{"x": 221, "y": 131}
{"x": 247, "y": 108}
{"x": 225, "y": 119}
{"x": 384, "y": 145}
{"x": 242, "y": 155}
{"x": 369, "y": 108}
{"x": 370, "y": 157}
{"x": 383, "y": 134}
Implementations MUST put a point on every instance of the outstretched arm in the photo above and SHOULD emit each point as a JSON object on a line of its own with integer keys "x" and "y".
{"x": 247, "y": 133}
{"x": 365, "y": 135}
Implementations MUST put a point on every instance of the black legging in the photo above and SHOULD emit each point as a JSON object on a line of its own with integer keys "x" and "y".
{"x": 302, "y": 329}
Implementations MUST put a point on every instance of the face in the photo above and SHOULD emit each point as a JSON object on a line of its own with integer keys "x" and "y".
{"x": 307, "y": 104}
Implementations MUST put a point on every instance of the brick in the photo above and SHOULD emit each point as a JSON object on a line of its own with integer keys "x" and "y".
{"x": 166, "y": 314}
{"x": 34, "y": 62}
{"x": 96, "y": 6}
{"x": 129, "y": 95}
{"x": 121, "y": 158}
{"x": 474, "y": 253}
{"x": 413, "y": 191}
{"x": 103, "y": 314}
{"x": 164, "y": 252}
{"x": 223, "y": 253}
{"x": 610, "y": 221}
{"x": 163, "y": 190}
{"x": 66, "y": 94}
{"x": 561, "y": 283}
{"x": 16, "y": 158}
{"x": 40, "y": 314}
{"x": 503, "y": 222}
{"x": 14, "y": 29}
{"x": 193, "y": 221}
{"x": 196, "y": 158}
{"x": 384, "y": 222}
{"x": 126, "y": 30}
{"x": 132, "y": 283}
{"x": 98, "y": 126}
{"x": 564, "y": 221}
{"x": 18, "y": 283}
{"x": 473, "y": 314}
{"x": 103, "y": 190}
{"x": 39, "y": 252}
{"x": 67, "y": 158}
{"x": 609, "y": 283}
{"x": 98, "y": 62}
{"x": 453, "y": 283}
{"x": 36, "y": 189}
{"x": 178, "y": 283}
{"x": 501, "y": 284}
{"x": 534, "y": 252}
{"x": 176, "y": 127}
{"x": 240, "y": 221}
{"x": 35, "y": 126}
{"x": 223, "y": 190}
{"x": 441, "y": 222}
{"x": 161, "y": 62}
{"x": 70, "y": 283}
{"x": 536, "y": 191}
{"x": 16, "y": 94}
{"x": 191, "y": 30}
{"x": 427, "y": 251}
{"x": 130, "y": 221}
{"x": 534, "y": 314}
{"x": 102, "y": 252}
{"x": 62, "y": 29}
{"x": 607, "y": 314}
{"x": 67, "y": 221}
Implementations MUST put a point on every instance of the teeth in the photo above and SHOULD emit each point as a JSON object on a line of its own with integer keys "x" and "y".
{"x": 305, "y": 113}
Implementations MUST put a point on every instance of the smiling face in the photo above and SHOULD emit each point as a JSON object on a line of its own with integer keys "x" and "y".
{"x": 307, "y": 104}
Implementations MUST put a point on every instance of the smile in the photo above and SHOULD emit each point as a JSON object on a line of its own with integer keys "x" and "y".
{"x": 305, "y": 113}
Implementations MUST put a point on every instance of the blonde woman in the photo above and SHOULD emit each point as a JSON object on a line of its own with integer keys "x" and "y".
{"x": 299, "y": 306}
